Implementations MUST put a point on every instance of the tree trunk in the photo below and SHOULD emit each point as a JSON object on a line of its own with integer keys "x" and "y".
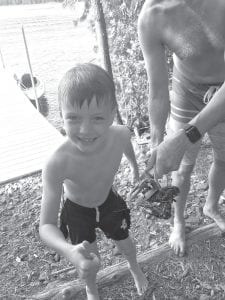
{"x": 103, "y": 44}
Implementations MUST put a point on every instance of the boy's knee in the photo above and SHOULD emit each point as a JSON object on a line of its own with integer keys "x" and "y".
{"x": 126, "y": 247}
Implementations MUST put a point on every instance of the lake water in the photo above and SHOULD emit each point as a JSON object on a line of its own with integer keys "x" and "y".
{"x": 54, "y": 44}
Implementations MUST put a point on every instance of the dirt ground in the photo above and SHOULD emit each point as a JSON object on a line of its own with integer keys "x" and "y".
{"x": 28, "y": 266}
{"x": 199, "y": 276}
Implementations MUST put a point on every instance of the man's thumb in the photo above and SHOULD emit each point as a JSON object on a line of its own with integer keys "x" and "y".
{"x": 151, "y": 161}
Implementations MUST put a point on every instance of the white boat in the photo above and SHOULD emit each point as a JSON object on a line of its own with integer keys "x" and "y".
{"x": 25, "y": 85}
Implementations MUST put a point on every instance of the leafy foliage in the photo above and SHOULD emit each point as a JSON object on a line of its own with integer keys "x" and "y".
{"x": 127, "y": 60}
{"x": 126, "y": 56}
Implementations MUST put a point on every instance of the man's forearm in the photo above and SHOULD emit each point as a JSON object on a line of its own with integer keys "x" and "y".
{"x": 212, "y": 114}
{"x": 158, "y": 114}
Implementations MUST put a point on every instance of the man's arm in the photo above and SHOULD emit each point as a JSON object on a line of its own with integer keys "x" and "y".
{"x": 212, "y": 114}
{"x": 151, "y": 41}
{"x": 168, "y": 155}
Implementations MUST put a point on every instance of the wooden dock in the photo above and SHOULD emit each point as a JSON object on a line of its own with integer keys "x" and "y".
{"x": 26, "y": 137}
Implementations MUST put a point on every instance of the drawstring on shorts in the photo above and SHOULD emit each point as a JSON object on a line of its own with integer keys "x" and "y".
{"x": 97, "y": 214}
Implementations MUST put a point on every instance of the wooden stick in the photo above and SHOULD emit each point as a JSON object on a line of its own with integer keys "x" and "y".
{"x": 62, "y": 271}
{"x": 111, "y": 274}
{"x": 3, "y": 64}
{"x": 31, "y": 72}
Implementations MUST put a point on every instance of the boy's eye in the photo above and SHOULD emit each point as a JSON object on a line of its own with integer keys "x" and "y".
{"x": 99, "y": 118}
{"x": 73, "y": 118}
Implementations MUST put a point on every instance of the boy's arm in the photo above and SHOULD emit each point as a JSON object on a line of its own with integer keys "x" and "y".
{"x": 130, "y": 155}
{"x": 79, "y": 255}
{"x": 51, "y": 198}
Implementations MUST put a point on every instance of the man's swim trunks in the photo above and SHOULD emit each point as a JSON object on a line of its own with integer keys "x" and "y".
{"x": 112, "y": 217}
{"x": 189, "y": 98}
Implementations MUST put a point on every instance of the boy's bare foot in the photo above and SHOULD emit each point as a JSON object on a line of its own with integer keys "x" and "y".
{"x": 140, "y": 280}
{"x": 92, "y": 294}
{"x": 216, "y": 216}
{"x": 177, "y": 239}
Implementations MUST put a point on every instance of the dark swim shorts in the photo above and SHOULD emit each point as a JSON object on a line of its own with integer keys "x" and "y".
{"x": 112, "y": 217}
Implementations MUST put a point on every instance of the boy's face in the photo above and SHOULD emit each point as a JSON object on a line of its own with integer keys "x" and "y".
{"x": 87, "y": 126}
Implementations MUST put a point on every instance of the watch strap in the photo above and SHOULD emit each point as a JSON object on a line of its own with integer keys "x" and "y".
{"x": 193, "y": 134}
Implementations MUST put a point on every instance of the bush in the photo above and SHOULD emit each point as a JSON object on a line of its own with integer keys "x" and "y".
{"x": 127, "y": 60}
{"x": 126, "y": 57}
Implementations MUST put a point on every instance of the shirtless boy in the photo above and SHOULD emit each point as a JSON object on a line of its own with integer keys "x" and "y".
{"x": 194, "y": 30}
{"x": 85, "y": 166}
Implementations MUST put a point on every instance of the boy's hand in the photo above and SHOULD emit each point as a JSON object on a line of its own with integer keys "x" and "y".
{"x": 90, "y": 264}
{"x": 86, "y": 262}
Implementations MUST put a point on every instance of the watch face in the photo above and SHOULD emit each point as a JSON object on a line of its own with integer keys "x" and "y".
{"x": 193, "y": 134}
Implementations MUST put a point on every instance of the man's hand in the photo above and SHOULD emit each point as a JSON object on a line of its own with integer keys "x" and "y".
{"x": 135, "y": 175}
{"x": 167, "y": 156}
{"x": 86, "y": 262}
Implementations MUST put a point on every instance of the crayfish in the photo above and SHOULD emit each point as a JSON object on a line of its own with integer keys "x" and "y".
{"x": 157, "y": 200}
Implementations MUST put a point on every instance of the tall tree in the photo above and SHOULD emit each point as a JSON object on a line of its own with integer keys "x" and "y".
{"x": 101, "y": 33}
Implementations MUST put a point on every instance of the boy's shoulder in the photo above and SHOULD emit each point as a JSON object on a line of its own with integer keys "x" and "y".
{"x": 57, "y": 156}
{"x": 121, "y": 130}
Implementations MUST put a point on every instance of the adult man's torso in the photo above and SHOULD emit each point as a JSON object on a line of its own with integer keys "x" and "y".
{"x": 194, "y": 30}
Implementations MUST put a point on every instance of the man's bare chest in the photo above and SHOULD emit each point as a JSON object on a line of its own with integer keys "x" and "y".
{"x": 191, "y": 35}
{"x": 195, "y": 44}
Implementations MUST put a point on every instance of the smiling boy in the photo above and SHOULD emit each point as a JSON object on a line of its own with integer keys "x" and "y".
{"x": 84, "y": 166}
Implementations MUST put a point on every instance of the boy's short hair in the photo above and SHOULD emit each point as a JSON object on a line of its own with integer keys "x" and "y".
{"x": 83, "y": 82}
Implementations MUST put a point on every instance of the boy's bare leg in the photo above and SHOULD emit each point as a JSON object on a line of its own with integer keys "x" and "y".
{"x": 90, "y": 281}
{"x": 216, "y": 187}
{"x": 127, "y": 248}
{"x": 181, "y": 179}
{"x": 91, "y": 288}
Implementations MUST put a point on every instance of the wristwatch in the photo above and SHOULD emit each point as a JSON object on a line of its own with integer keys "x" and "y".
{"x": 193, "y": 134}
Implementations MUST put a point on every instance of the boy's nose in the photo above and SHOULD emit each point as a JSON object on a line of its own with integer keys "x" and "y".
{"x": 85, "y": 127}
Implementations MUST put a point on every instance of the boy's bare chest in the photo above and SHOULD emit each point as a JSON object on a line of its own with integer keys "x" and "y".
{"x": 102, "y": 166}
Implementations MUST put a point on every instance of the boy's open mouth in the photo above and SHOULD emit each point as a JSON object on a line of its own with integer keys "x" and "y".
{"x": 87, "y": 140}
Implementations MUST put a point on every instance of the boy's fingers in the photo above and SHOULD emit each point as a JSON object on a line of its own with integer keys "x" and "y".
{"x": 86, "y": 245}
{"x": 95, "y": 258}
{"x": 93, "y": 255}
{"x": 87, "y": 249}
{"x": 89, "y": 254}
